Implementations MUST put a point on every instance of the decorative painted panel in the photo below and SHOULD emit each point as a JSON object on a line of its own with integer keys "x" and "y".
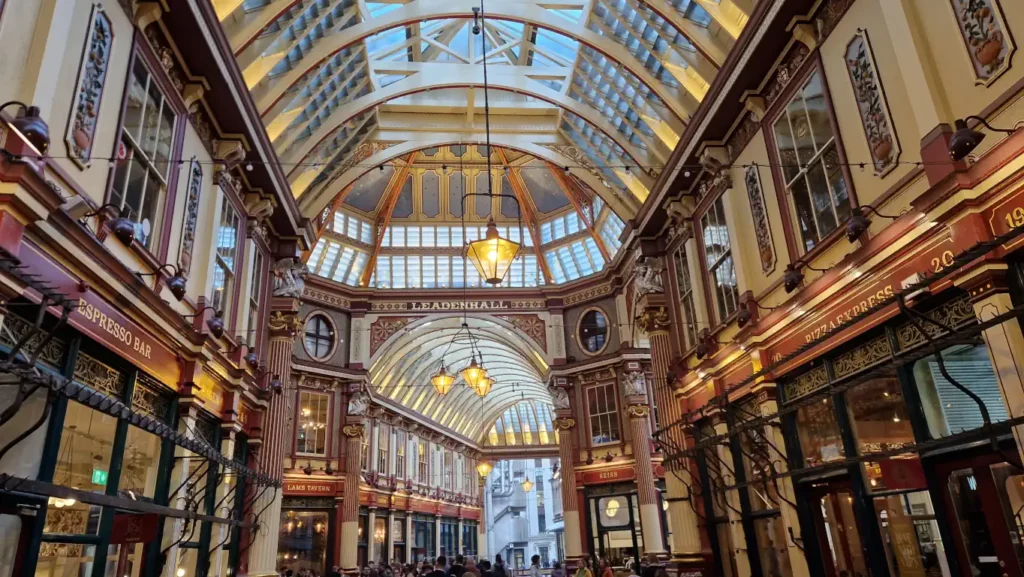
{"x": 383, "y": 328}
{"x": 92, "y": 73}
{"x": 188, "y": 225}
{"x": 988, "y": 41}
{"x": 531, "y": 326}
{"x": 762, "y": 229}
{"x": 874, "y": 110}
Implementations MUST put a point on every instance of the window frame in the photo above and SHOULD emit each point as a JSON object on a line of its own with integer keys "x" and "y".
{"x": 258, "y": 288}
{"x": 334, "y": 340}
{"x": 607, "y": 334}
{"x": 327, "y": 424}
{"x": 141, "y": 50}
{"x": 686, "y": 301}
{"x": 610, "y": 391}
{"x": 422, "y": 461}
{"x": 794, "y": 238}
{"x": 383, "y": 449}
{"x": 231, "y": 317}
{"x": 711, "y": 288}
{"x": 400, "y": 457}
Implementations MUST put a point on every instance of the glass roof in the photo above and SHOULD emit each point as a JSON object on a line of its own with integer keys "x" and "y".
{"x": 421, "y": 241}
{"x": 615, "y": 80}
{"x": 525, "y": 423}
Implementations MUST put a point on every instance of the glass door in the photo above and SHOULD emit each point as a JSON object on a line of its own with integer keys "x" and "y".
{"x": 985, "y": 498}
{"x": 832, "y": 506}
{"x": 616, "y": 528}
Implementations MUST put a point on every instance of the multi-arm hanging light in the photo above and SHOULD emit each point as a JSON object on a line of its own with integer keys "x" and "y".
{"x": 474, "y": 374}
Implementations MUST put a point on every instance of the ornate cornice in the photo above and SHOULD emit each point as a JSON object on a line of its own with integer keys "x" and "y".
{"x": 564, "y": 423}
{"x": 653, "y": 320}
{"x": 353, "y": 431}
{"x": 638, "y": 411}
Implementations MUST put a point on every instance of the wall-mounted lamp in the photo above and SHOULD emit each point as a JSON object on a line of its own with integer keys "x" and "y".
{"x": 792, "y": 277}
{"x": 30, "y": 125}
{"x": 122, "y": 227}
{"x": 748, "y": 310}
{"x": 215, "y": 324}
{"x": 858, "y": 223}
{"x": 965, "y": 140}
{"x": 176, "y": 283}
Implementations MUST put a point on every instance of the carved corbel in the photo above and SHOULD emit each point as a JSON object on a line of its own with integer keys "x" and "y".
{"x": 229, "y": 152}
{"x": 714, "y": 157}
{"x": 755, "y": 104}
{"x": 191, "y": 93}
{"x": 806, "y": 34}
{"x": 259, "y": 207}
{"x": 147, "y": 12}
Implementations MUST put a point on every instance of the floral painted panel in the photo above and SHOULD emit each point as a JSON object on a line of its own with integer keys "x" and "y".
{"x": 92, "y": 73}
{"x": 874, "y": 110}
{"x": 762, "y": 230}
{"x": 989, "y": 44}
{"x": 188, "y": 226}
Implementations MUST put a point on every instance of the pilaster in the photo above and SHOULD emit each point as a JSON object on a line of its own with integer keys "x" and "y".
{"x": 565, "y": 424}
{"x": 353, "y": 435}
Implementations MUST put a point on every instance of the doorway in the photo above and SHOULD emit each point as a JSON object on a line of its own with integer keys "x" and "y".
{"x": 615, "y": 528}
{"x": 985, "y": 506}
{"x": 832, "y": 505}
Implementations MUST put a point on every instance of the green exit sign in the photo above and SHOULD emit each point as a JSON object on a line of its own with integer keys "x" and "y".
{"x": 99, "y": 477}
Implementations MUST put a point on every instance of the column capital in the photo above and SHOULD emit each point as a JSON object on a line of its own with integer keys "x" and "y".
{"x": 354, "y": 430}
{"x": 985, "y": 281}
{"x": 654, "y": 320}
{"x": 564, "y": 423}
{"x": 284, "y": 324}
{"x": 638, "y": 411}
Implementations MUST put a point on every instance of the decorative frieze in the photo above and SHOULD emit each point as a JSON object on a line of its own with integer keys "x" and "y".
{"x": 324, "y": 297}
{"x": 383, "y": 328}
{"x": 530, "y": 325}
{"x": 588, "y": 294}
{"x": 762, "y": 228}
{"x": 871, "y": 103}
{"x": 987, "y": 40}
{"x": 188, "y": 225}
{"x": 92, "y": 74}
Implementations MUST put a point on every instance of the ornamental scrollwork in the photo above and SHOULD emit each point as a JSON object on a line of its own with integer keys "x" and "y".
{"x": 81, "y": 130}
{"x": 638, "y": 411}
{"x": 564, "y": 423}
{"x": 353, "y": 431}
{"x": 281, "y": 322}
{"x": 188, "y": 226}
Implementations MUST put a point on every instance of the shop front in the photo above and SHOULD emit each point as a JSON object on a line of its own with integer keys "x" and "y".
{"x": 308, "y": 533}
{"x": 613, "y": 518}
{"x": 896, "y": 445}
{"x": 424, "y": 529}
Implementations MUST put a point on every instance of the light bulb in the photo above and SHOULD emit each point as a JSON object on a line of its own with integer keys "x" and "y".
{"x": 69, "y": 502}
{"x": 181, "y": 572}
{"x": 492, "y": 256}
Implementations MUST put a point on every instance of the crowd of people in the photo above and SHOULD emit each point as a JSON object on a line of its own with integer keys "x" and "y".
{"x": 458, "y": 567}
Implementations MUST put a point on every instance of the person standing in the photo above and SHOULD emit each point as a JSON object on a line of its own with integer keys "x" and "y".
{"x": 606, "y": 568}
{"x": 439, "y": 565}
{"x": 584, "y": 569}
{"x": 458, "y": 567}
{"x": 535, "y": 566}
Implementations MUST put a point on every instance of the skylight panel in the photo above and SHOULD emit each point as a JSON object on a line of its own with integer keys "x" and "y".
{"x": 594, "y": 253}
{"x": 427, "y": 236}
{"x": 314, "y": 256}
{"x": 332, "y": 255}
{"x": 458, "y": 271}
{"x": 443, "y": 236}
{"x": 412, "y": 236}
{"x": 557, "y": 274}
{"x": 443, "y": 272}
{"x": 383, "y": 272}
{"x": 398, "y": 236}
{"x": 412, "y": 265}
{"x": 357, "y": 268}
{"x": 346, "y": 260}
{"x": 568, "y": 264}
{"x": 365, "y": 232}
{"x": 398, "y": 271}
{"x": 429, "y": 272}
{"x": 581, "y": 258}
{"x": 546, "y": 233}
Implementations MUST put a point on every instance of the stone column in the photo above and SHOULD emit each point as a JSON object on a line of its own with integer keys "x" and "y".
{"x": 790, "y": 518}
{"x": 408, "y": 536}
{"x": 437, "y": 535}
{"x": 390, "y": 547}
{"x": 1005, "y": 342}
{"x": 481, "y": 527}
{"x": 565, "y": 425}
{"x": 349, "y": 558}
{"x": 219, "y": 560}
{"x": 284, "y": 323}
{"x": 458, "y": 539}
{"x": 686, "y": 542}
{"x": 740, "y": 551}
{"x": 638, "y": 414}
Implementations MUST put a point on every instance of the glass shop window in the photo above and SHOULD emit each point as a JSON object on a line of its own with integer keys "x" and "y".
{"x": 879, "y": 416}
{"x": 603, "y": 413}
{"x": 910, "y": 534}
{"x": 820, "y": 439}
{"x": 302, "y": 542}
{"x": 947, "y": 409}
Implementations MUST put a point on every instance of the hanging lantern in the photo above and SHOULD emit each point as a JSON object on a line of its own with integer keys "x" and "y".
{"x": 484, "y": 468}
{"x": 442, "y": 380}
{"x": 473, "y": 374}
{"x": 484, "y": 386}
{"x": 493, "y": 255}
{"x": 527, "y": 485}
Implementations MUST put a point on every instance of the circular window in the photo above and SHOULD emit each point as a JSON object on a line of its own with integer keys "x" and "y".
{"x": 319, "y": 336}
{"x": 592, "y": 331}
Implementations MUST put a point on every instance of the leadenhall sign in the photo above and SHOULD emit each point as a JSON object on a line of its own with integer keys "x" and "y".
{"x": 460, "y": 306}
{"x": 931, "y": 256}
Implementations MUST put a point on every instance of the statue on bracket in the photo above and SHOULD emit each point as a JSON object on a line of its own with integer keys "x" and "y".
{"x": 289, "y": 277}
{"x": 560, "y": 397}
{"x": 359, "y": 404}
{"x": 635, "y": 383}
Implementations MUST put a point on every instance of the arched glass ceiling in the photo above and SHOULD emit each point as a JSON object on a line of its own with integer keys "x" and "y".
{"x": 400, "y": 372}
{"x": 404, "y": 228}
{"x": 339, "y": 81}
{"x": 525, "y": 423}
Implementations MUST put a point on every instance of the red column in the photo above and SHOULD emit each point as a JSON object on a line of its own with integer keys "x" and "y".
{"x": 568, "y": 452}
{"x": 353, "y": 434}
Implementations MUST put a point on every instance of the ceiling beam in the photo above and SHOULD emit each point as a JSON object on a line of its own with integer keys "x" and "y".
{"x": 582, "y": 203}
{"x": 383, "y": 219}
{"x": 526, "y": 210}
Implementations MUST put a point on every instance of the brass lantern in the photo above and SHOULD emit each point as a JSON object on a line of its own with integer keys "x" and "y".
{"x": 484, "y": 468}
{"x": 493, "y": 255}
{"x": 473, "y": 374}
{"x": 484, "y": 386}
{"x": 442, "y": 380}
{"x": 527, "y": 485}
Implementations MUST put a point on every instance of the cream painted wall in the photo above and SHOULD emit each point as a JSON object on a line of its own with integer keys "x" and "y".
{"x": 953, "y": 66}
{"x": 866, "y": 15}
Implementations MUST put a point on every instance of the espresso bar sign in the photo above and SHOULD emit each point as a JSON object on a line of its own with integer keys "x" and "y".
{"x": 121, "y": 333}
{"x": 460, "y": 306}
